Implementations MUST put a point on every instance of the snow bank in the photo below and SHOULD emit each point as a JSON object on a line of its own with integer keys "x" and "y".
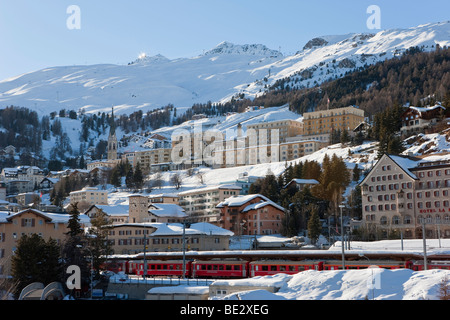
{"x": 367, "y": 284}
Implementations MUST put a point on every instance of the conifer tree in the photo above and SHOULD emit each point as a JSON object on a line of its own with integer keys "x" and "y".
{"x": 99, "y": 246}
{"x": 74, "y": 250}
{"x": 314, "y": 227}
{"x": 138, "y": 177}
{"x": 35, "y": 260}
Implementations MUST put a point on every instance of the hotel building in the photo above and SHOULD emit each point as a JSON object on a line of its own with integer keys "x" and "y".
{"x": 402, "y": 194}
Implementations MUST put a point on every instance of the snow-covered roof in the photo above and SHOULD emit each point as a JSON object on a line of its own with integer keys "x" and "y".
{"x": 421, "y": 110}
{"x": 405, "y": 164}
{"x": 303, "y": 181}
{"x": 219, "y": 187}
{"x": 53, "y": 217}
{"x": 201, "y": 228}
{"x": 170, "y": 195}
{"x": 262, "y": 204}
{"x": 237, "y": 201}
{"x": 167, "y": 210}
{"x": 112, "y": 210}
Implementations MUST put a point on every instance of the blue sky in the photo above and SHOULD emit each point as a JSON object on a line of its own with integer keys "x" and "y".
{"x": 34, "y": 34}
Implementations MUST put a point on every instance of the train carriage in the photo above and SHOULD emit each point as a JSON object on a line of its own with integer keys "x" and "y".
{"x": 265, "y": 268}
{"x": 220, "y": 269}
{"x": 355, "y": 265}
{"x": 161, "y": 268}
{"x": 419, "y": 265}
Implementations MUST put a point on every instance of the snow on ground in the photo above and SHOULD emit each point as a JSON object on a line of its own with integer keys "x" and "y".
{"x": 370, "y": 284}
{"x": 373, "y": 283}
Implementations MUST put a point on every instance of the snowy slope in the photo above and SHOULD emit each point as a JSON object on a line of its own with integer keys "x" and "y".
{"x": 217, "y": 75}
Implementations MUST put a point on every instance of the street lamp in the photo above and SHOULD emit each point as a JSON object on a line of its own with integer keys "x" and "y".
{"x": 372, "y": 285}
{"x": 341, "y": 206}
{"x": 188, "y": 225}
{"x": 425, "y": 264}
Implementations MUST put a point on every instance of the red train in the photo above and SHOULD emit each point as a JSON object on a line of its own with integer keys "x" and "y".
{"x": 237, "y": 269}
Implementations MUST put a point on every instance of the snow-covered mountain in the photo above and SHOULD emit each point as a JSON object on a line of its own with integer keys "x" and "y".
{"x": 217, "y": 75}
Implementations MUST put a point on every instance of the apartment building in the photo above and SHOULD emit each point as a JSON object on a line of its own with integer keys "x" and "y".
{"x": 416, "y": 119}
{"x": 401, "y": 194}
{"x": 150, "y": 160}
{"x": 189, "y": 147}
{"x": 285, "y": 128}
{"x": 27, "y": 222}
{"x": 89, "y": 196}
{"x": 318, "y": 125}
{"x": 29, "y": 176}
{"x": 295, "y": 148}
{"x": 151, "y": 157}
{"x": 132, "y": 238}
{"x": 252, "y": 214}
{"x": 200, "y": 204}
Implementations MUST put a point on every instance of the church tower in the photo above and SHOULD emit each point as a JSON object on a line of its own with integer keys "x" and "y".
{"x": 112, "y": 139}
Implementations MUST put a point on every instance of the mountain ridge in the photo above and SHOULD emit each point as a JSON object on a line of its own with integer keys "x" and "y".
{"x": 225, "y": 72}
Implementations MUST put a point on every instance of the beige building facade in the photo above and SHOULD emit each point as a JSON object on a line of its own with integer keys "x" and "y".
{"x": 28, "y": 222}
{"x": 318, "y": 125}
{"x": 89, "y": 196}
{"x": 400, "y": 194}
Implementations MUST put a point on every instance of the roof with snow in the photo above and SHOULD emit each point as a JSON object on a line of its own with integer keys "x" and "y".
{"x": 302, "y": 181}
{"x": 237, "y": 201}
{"x": 403, "y": 162}
{"x": 421, "y": 110}
{"x": 201, "y": 228}
{"x": 111, "y": 210}
{"x": 219, "y": 187}
{"x": 6, "y": 216}
{"x": 167, "y": 210}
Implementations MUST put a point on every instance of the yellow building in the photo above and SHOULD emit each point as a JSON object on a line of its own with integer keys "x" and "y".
{"x": 149, "y": 159}
{"x": 89, "y": 196}
{"x": 28, "y": 222}
{"x": 318, "y": 125}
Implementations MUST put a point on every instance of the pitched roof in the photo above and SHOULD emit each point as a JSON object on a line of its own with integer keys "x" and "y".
{"x": 167, "y": 210}
{"x": 302, "y": 181}
{"x": 50, "y": 217}
{"x": 237, "y": 201}
{"x": 176, "y": 229}
{"x": 404, "y": 163}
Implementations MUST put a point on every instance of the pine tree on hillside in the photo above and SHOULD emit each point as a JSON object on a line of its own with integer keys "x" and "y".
{"x": 138, "y": 177}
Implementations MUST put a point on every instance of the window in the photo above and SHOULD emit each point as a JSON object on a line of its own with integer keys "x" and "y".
{"x": 407, "y": 219}
{"x": 395, "y": 220}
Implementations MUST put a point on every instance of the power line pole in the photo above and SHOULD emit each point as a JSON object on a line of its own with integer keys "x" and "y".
{"x": 425, "y": 263}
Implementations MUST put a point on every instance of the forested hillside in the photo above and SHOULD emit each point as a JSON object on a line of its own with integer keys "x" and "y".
{"x": 402, "y": 80}
{"x": 417, "y": 78}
